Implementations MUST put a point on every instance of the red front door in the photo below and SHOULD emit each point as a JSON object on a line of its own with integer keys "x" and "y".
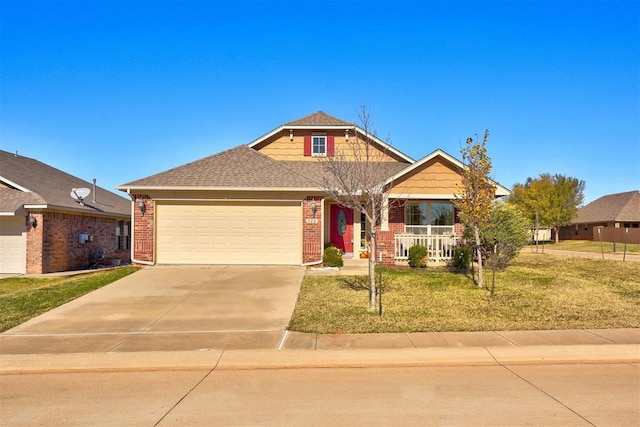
{"x": 341, "y": 223}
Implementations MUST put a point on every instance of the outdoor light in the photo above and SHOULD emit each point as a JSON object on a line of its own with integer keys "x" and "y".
{"x": 314, "y": 208}
{"x": 346, "y": 134}
{"x": 31, "y": 221}
{"x": 290, "y": 134}
{"x": 141, "y": 205}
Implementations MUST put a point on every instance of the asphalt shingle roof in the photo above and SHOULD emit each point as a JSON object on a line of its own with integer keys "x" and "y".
{"x": 51, "y": 186}
{"x": 319, "y": 118}
{"x": 239, "y": 167}
{"x": 619, "y": 207}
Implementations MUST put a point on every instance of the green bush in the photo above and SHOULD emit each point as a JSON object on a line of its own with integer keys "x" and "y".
{"x": 418, "y": 256}
{"x": 332, "y": 257}
{"x": 462, "y": 257}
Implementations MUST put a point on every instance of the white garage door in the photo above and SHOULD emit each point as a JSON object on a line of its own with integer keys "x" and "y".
{"x": 229, "y": 233}
{"x": 13, "y": 245}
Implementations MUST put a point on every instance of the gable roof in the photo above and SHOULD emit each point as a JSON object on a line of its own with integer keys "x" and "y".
{"x": 245, "y": 168}
{"x": 619, "y": 207}
{"x": 319, "y": 118}
{"x": 500, "y": 189}
{"x": 26, "y": 182}
{"x": 323, "y": 121}
{"x": 240, "y": 168}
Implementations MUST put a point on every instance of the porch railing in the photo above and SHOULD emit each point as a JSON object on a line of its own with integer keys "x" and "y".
{"x": 440, "y": 247}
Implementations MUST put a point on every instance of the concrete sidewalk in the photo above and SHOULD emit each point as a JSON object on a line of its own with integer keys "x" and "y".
{"x": 307, "y": 359}
{"x": 366, "y": 350}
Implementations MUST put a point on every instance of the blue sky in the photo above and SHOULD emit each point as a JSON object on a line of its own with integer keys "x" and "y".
{"x": 119, "y": 90}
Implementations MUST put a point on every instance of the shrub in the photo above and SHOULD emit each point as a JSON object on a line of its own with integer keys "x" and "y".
{"x": 332, "y": 257}
{"x": 418, "y": 256}
{"x": 462, "y": 257}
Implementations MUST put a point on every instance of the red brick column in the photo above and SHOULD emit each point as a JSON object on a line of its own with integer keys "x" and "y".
{"x": 143, "y": 223}
{"x": 385, "y": 238}
{"x": 35, "y": 241}
{"x": 312, "y": 229}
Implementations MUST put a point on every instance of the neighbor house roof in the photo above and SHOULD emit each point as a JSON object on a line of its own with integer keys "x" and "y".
{"x": 26, "y": 182}
{"x": 237, "y": 168}
{"x": 619, "y": 207}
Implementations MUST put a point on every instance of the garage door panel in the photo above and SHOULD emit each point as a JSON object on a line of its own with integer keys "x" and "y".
{"x": 236, "y": 233}
{"x": 13, "y": 245}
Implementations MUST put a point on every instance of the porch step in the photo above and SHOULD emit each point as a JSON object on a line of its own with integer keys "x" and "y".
{"x": 355, "y": 262}
{"x": 355, "y": 267}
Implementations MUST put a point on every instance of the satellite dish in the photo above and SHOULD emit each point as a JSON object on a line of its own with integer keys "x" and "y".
{"x": 78, "y": 194}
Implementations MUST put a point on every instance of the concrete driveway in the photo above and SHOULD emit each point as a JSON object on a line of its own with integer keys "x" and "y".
{"x": 169, "y": 308}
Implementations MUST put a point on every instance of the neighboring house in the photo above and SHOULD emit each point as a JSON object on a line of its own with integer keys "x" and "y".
{"x": 263, "y": 203}
{"x": 613, "y": 215}
{"x": 43, "y": 229}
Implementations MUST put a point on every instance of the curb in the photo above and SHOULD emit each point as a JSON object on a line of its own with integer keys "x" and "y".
{"x": 313, "y": 359}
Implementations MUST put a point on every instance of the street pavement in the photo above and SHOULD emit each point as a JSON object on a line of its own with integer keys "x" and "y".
{"x": 508, "y": 395}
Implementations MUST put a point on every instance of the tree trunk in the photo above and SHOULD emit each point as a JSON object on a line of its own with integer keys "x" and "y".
{"x": 556, "y": 230}
{"x": 476, "y": 233}
{"x": 372, "y": 274}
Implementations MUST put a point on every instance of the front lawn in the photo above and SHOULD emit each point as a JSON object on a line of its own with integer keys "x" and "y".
{"x": 538, "y": 291}
{"x": 22, "y": 298}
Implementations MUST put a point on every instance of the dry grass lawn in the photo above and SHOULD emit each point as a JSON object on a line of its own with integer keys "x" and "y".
{"x": 538, "y": 291}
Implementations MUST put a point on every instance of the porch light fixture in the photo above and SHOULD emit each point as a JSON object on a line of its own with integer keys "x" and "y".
{"x": 31, "y": 221}
{"x": 290, "y": 134}
{"x": 346, "y": 134}
{"x": 141, "y": 206}
{"x": 314, "y": 208}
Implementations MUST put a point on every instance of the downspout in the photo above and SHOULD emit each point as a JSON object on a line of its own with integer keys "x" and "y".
{"x": 133, "y": 207}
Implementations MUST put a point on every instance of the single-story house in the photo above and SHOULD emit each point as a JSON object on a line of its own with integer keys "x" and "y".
{"x": 614, "y": 217}
{"x": 262, "y": 203}
{"x": 52, "y": 221}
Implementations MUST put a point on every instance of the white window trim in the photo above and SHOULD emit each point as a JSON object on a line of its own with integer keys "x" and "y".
{"x": 428, "y": 225}
{"x": 319, "y": 135}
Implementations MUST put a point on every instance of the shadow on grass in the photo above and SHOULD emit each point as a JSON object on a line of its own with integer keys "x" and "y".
{"x": 355, "y": 283}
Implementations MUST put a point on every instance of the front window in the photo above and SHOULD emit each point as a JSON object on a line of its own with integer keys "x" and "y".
{"x": 319, "y": 146}
{"x": 426, "y": 217}
{"x": 123, "y": 240}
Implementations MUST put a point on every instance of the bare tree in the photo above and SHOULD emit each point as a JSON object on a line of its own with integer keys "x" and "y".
{"x": 355, "y": 177}
{"x": 474, "y": 202}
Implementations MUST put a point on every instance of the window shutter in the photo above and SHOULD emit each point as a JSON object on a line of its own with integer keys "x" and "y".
{"x": 307, "y": 145}
{"x": 330, "y": 145}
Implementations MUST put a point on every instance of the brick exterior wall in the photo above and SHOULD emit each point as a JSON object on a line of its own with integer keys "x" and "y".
{"x": 143, "y": 228}
{"x": 53, "y": 245}
{"x": 35, "y": 238}
{"x": 311, "y": 230}
{"x": 385, "y": 238}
